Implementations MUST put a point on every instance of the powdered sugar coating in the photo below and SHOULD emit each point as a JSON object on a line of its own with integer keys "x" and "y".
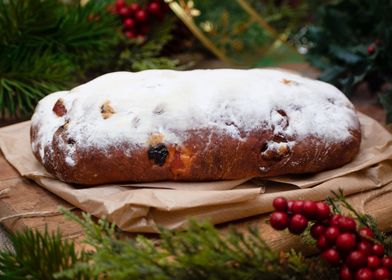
{"x": 170, "y": 103}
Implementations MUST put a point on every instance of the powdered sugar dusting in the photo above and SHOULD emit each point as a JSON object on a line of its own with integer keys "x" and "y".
{"x": 169, "y": 103}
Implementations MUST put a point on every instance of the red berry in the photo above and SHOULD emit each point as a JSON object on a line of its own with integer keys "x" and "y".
{"x": 317, "y": 230}
{"x": 365, "y": 247}
{"x": 381, "y": 274}
{"x": 347, "y": 224}
{"x": 364, "y": 274}
{"x": 290, "y": 204}
{"x": 366, "y": 233}
{"x": 331, "y": 256}
{"x": 356, "y": 259}
{"x": 309, "y": 209}
{"x": 334, "y": 220}
{"x": 134, "y": 8}
{"x": 387, "y": 262}
{"x": 346, "y": 242}
{"x": 297, "y": 207}
{"x": 128, "y": 23}
{"x": 371, "y": 49}
{"x": 322, "y": 211}
{"x": 279, "y": 220}
{"x": 322, "y": 243}
{"x": 120, "y": 4}
{"x": 279, "y": 203}
{"x": 298, "y": 224}
{"x": 378, "y": 250}
{"x": 331, "y": 234}
{"x": 130, "y": 34}
{"x": 373, "y": 262}
{"x": 345, "y": 273}
{"x": 154, "y": 8}
{"x": 123, "y": 12}
{"x": 141, "y": 16}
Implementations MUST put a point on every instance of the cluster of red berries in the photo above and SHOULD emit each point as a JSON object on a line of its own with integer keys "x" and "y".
{"x": 137, "y": 20}
{"x": 355, "y": 250}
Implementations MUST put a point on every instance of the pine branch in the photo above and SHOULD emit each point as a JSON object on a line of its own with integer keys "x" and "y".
{"x": 365, "y": 220}
{"x": 200, "y": 252}
{"x": 46, "y": 46}
{"x": 38, "y": 256}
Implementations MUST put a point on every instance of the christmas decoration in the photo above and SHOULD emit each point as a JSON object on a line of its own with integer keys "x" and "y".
{"x": 238, "y": 32}
{"x": 137, "y": 20}
{"x": 350, "y": 42}
{"x": 203, "y": 252}
{"x": 341, "y": 241}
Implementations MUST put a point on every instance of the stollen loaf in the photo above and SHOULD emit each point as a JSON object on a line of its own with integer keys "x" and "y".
{"x": 199, "y": 125}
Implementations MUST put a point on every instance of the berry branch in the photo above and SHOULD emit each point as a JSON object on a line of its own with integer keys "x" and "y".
{"x": 357, "y": 250}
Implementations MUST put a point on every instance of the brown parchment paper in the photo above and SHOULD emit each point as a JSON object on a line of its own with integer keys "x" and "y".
{"x": 141, "y": 207}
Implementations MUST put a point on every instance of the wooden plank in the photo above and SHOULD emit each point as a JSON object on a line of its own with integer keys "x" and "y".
{"x": 25, "y": 197}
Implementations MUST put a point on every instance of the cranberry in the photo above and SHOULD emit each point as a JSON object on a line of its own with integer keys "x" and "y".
{"x": 366, "y": 233}
{"x": 290, "y": 204}
{"x": 279, "y": 203}
{"x": 279, "y": 220}
{"x": 154, "y": 8}
{"x": 134, "y": 8}
{"x": 356, "y": 259}
{"x": 298, "y": 206}
{"x": 331, "y": 234}
{"x": 141, "y": 16}
{"x": 128, "y": 23}
{"x": 371, "y": 49}
{"x": 298, "y": 224}
{"x": 347, "y": 224}
{"x": 378, "y": 250}
{"x": 322, "y": 243}
{"x": 331, "y": 256}
{"x": 382, "y": 274}
{"x": 317, "y": 230}
{"x": 345, "y": 273}
{"x": 387, "y": 262}
{"x": 120, "y": 4}
{"x": 334, "y": 220}
{"x": 322, "y": 211}
{"x": 364, "y": 274}
{"x": 309, "y": 209}
{"x": 130, "y": 34}
{"x": 123, "y": 12}
{"x": 346, "y": 242}
{"x": 373, "y": 262}
{"x": 365, "y": 247}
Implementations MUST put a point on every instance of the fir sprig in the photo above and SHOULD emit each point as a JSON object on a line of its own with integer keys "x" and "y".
{"x": 47, "y": 46}
{"x": 39, "y": 256}
{"x": 338, "y": 200}
{"x": 200, "y": 252}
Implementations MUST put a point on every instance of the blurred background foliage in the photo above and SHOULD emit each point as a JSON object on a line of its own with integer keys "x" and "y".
{"x": 49, "y": 45}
